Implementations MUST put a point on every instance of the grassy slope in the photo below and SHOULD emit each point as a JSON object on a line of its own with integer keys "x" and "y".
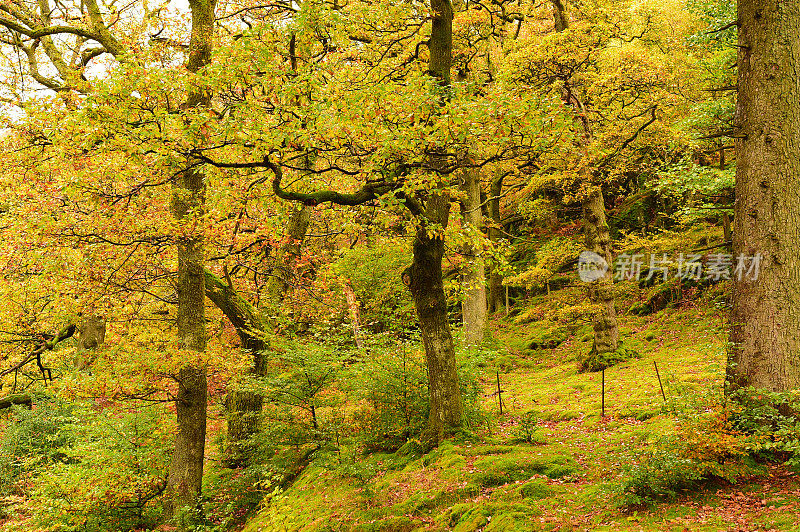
{"x": 496, "y": 483}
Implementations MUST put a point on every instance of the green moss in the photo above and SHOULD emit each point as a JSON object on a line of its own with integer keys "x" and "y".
{"x": 494, "y": 471}
{"x": 543, "y": 338}
{"x": 595, "y": 361}
{"x": 535, "y": 489}
{"x": 508, "y": 522}
{"x": 393, "y": 524}
{"x": 505, "y": 363}
{"x": 469, "y": 518}
{"x": 482, "y": 450}
{"x": 445, "y": 448}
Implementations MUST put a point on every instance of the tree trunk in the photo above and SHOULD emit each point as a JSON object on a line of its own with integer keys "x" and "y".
{"x": 424, "y": 278}
{"x": 92, "y": 334}
{"x": 355, "y": 314}
{"x": 474, "y": 270}
{"x": 601, "y": 291}
{"x": 243, "y": 407}
{"x": 287, "y": 254}
{"x": 495, "y": 232}
{"x": 765, "y": 319}
{"x": 595, "y": 226}
{"x": 243, "y": 316}
{"x": 186, "y": 469}
{"x": 185, "y": 477}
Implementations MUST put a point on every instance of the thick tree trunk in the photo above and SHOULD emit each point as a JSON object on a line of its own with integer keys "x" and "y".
{"x": 495, "y": 232}
{"x": 185, "y": 477}
{"x": 92, "y": 334}
{"x": 601, "y": 291}
{"x": 765, "y": 320}
{"x": 186, "y": 469}
{"x": 474, "y": 307}
{"x": 424, "y": 278}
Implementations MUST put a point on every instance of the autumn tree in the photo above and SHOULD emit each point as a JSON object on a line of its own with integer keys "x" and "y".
{"x": 58, "y": 54}
{"x": 380, "y": 130}
{"x": 764, "y": 318}
{"x": 611, "y": 95}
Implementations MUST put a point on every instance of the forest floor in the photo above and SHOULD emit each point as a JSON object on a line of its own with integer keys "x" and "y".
{"x": 565, "y": 478}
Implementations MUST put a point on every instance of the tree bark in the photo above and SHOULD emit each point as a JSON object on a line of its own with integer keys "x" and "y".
{"x": 601, "y": 291}
{"x": 242, "y": 314}
{"x": 765, "y": 319}
{"x": 92, "y": 334}
{"x": 474, "y": 308}
{"x": 185, "y": 477}
{"x": 16, "y": 399}
{"x": 244, "y": 407}
{"x": 559, "y": 15}
{"x": 424, "y": 279}
{"x": 186, "y": 468}
{"x": 495, "y": 232}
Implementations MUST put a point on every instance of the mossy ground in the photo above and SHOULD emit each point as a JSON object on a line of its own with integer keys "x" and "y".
{"x": 560, "y": 482}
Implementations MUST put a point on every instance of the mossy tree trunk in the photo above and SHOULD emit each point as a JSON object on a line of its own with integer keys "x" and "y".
{"x": 424, "y": 278}
{"x": 765, "y": 319}
{"x": 185, "y": 477}
{"x": 495, "y": 233}
{"x": 425, "y": 273}
{"x": 595, "y": 225}
{"x": 601, "y": 291}
{"x": 474, "y": 308}
{"x": 288, "y": 253}
{"x": 243, "y": 407}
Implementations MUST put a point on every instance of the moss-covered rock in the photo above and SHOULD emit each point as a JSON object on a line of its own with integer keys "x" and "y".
{"x": 389, "y": 524}
{"x": 535, "y": 489}
{"x": 468, "y": 517}
{"x": 494, "y": 471}
{"x": 595, "y": 361}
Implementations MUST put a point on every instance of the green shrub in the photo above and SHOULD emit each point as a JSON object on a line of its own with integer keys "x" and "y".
{"x": 374, "y": 273}
{"x": 112, "y": 474}
{"x": 659, "y": 472}
{"x": 769, "y": 419}
{"x": 707, "y": 444}
{"x": 393, "y": 386}
{"x": 36, "y": 438}
{"x": 526, "y": 427}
